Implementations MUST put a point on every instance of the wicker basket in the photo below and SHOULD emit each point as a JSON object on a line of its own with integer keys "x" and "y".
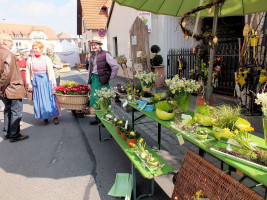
{"x": 196, "y": 173}
{"x": 73, "y": 102}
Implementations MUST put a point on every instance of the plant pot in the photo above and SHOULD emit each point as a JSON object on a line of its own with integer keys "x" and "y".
{"x": 164, "y": 115}
{"x": 117, "y": 130}
{"x": 183, "y": 101}
{"x": 201, "y": 137}
{"x": 123, "y": 136}
{"x": 131, "y": 141}
{"x": 202, "y": 102}
{"x": 160, "y": 80}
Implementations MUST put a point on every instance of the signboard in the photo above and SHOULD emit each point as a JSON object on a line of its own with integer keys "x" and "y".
{"x": 146, "y": 18}
{"x": 101, "y": 32}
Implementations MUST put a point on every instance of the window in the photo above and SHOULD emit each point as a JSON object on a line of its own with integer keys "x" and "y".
{"x": 115, "y": 43}
{"x": 17, "y": 36}
{"x": 24, "y": 36}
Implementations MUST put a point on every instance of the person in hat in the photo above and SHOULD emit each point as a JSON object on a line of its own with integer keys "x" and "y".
{"x": 102, "y": 68}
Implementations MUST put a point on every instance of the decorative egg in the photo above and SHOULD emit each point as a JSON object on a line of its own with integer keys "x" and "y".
{"x": 184, "y": 24}
{"x": 210, "y": 10}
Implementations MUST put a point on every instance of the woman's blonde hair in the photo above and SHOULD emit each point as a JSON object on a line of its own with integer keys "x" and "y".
{"x": 38, "y": 44}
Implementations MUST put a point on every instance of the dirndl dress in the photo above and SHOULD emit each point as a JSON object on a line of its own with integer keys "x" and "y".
{"x": 45, "y": 104}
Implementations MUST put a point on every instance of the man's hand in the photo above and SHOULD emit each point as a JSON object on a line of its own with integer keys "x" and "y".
{"x": 30, "y": 87}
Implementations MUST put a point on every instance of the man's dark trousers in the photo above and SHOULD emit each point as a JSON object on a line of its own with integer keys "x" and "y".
{"x": 13, "y": 114}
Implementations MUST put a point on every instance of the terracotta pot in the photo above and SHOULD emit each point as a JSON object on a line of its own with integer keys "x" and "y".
{"x": 201, "y": 100}
{"x": 123, "y": 136}
{"x": 117, "y": 130}
{"x": 131, "y": 141}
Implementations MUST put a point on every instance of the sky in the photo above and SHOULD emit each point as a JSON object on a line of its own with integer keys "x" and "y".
{"x": 59, "y": 15}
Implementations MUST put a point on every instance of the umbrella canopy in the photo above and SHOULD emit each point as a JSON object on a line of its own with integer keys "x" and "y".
{"x": 178, "y": 7}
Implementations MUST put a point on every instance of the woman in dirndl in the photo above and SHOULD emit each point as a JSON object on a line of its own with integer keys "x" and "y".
{"x": 41, "y": 81}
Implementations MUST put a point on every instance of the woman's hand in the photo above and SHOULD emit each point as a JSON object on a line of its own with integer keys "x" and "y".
{"x": 30, "y": 87}
{"x": 54, "y": 88}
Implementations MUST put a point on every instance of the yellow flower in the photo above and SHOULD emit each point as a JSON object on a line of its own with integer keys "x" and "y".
{"x": 133, "y": 145}
{"x": 132, "y": 133}
{"x": 226, "y": 130}
{"x": 195, "y": 118}
{"x": 205, "y": 103}
{"x": 250, "y": 129}
{"x": 137, "y": 90}
{"x": 201, "y": 119}
{"x": 236, "y": 132}
{"x": 120, "y": 122}
{"x": 141, "y": 140}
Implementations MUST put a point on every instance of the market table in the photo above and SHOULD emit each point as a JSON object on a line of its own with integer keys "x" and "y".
{"x": 135, "y": 161}
{"x": 258, "y": 175}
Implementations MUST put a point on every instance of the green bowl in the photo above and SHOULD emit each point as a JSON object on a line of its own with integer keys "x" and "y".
{"x": 164, "y": 115}
{"x": 201, "y": 137}
{"x": 219, "y": 134}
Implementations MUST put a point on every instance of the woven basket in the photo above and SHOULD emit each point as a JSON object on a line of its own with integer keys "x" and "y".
{"x": 72, "y": 102}
{"x": 196, "y": 174}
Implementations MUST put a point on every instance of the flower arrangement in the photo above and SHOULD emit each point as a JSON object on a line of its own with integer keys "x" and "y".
{"x": 182, "y": 90}
{"x": 177, "y": 85}
{"x": 72, "y": 88}
{"x": 262, "y": 100}
{"x": 104, "y": 95}
{"x": 131, "y": 94}
{"x": 147, "y": 80}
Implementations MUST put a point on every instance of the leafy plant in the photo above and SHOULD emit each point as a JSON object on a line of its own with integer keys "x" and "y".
{"x": 164, "y": 105}
{"x": 206, "y": 110}
{"x": 156, "y": 59}
{"x": 155, "y": 48}
{"x": 227, "y": 116}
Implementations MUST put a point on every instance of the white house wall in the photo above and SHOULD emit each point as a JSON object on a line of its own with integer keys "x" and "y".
{"x": 163, "y": 33}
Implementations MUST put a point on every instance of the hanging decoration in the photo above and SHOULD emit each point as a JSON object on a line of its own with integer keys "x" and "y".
{"x": 213, "y": 39}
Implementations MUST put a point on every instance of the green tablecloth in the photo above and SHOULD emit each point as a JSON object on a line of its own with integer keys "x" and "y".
{"x": 131, "y": 155}
{"x": 256, "y": 174}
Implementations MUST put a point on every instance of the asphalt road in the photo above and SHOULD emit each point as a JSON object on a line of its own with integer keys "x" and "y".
{"x": 65, "y": 161}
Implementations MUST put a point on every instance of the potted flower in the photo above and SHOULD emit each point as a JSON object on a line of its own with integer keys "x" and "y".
{"x": 131, "y": 137}
{"x": 118, "y": 123}
{"x": 124, "y": 129}
{"x": 182, "y": 90}
{"x": 104, "y": 96}
{"x": 72, "y": 95}
{"x": 147, "y": 80}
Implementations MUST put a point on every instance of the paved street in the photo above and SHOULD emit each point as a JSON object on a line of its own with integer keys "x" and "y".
{"x": 69, "y": 162}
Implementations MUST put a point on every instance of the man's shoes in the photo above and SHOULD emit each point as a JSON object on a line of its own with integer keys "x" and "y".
{"x": 6, "y": 137}
{"x": 19, "y": 138}
{"x": 94, "y": 122}
{"x": 46, "y": 122}
{"x": 56, "y": 121}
